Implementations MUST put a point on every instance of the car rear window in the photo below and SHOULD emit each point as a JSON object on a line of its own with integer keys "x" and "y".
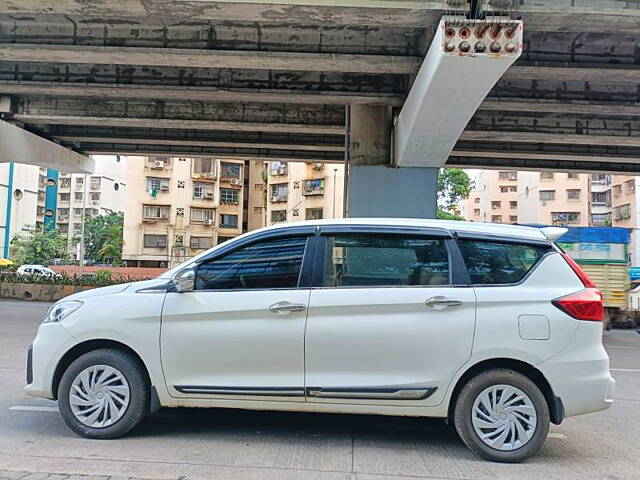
{"x": 494, "y": 263}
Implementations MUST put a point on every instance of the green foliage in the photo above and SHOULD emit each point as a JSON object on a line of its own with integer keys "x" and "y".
{"x": 444, "y": 215}
{"x": 102, "y": 278}
{"x": 39, "y": 247}
{"x": 103, "y": 238}
{"x": 454, "y": 185}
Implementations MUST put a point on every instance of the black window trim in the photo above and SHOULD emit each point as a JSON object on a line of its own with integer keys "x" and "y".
{"x": 308, "y": 258}
{"x": 458, "y": 275}
{"x": 533, "y": 268}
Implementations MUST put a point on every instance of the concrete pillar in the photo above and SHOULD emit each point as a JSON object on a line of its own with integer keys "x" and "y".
{"x": 375, "y": 187}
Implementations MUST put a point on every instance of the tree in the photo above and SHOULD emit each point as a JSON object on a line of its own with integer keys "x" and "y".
{"x": 103, "y": 238}
{"x": 454, "y": 185}
{"x": 39, "y": 247}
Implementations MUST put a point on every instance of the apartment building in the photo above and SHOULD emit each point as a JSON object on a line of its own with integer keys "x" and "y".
{"x": 287, "y": 192}
{"x": 22, "y": 202}
{"x": 550, "y": 198}
{"x": 179, "y": 207}
{"x": 80, "y": 196}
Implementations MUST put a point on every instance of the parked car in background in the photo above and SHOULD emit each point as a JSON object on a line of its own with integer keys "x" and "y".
{"x": 36, "y": 270}
{"x": 489, "y": 326}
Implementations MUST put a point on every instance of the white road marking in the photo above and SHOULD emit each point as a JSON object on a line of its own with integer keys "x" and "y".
{"x": 33, "y": 408}
{"x": 557, "y": 435}
{"x": 624, "y": 370}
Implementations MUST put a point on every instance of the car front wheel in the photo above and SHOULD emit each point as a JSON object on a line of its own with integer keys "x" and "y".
{"x": 502, "y": 416}
{"x": 103, "y": 394}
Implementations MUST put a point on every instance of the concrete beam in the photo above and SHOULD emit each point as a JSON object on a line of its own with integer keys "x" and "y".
{"x": 200, "y": 143}
{"x": 186, "y": 93}
{"x": 562, "y": 139}
{"x": 231, "y": 59}
{"x": 20, "y": 146}
{"x": 606, "y": 74}
{"x": 93, "y": 121}
{"x": 551, "y": 106}
{"x": 538, "y": 156}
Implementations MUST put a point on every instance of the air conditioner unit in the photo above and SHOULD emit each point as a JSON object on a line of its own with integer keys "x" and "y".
{"x": 164, "y": 188}
{"x": 208, "y": 193}
{"x": 234, "y": 181}
{"x": 209, "y": 221}
{"x": 318, "y": 166}
{"x": 209, "y": 175}
{"x": 157, "y": 164}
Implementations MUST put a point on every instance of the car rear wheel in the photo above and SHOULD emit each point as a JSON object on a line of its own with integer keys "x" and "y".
{"x": 502, "y": 416}
{"x": 103, "y": 394}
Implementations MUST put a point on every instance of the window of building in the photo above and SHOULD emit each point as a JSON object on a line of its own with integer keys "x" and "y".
{"x": 228, "y": 221}
{"x": 278, "y": 168}
{"x": 77, "y": 212}
{"x": 476, "y": 211}
{"x": 278, "y": 216}
{"x": 200, "y": 243}
{"x": 155, "y": 212}
{"x": 617, "y": 190}
{"x": 510, "y": 175}
{"x": 546, "y": 175}
{"x": 77, "y": 196}
{"x": 95, "y": 183}
{"x": 95, "y": 196}
{"x": 601, "y": 179}
{"x": 601, "y": 219}
{"x": 313, "y": 214}
{"x": 573, "y": 194}
{"x": 224, "y": 239}
{"x": 203, "y": 191}
{"x": 230, "y": 196}
{"x": 496, "y": 218}
{"x": 601, "y": 198}
{"x": 65, "y": 182}
{"x": 155, "y": 241}
{"x": 496, "y": 205}
{"x": 279, "y": 192}
{"x": 79, "y": 181}
{"x": 508, "y": 188}
{"x": 547, "y": 195}
{"x": 265, "y": 265}
{"x": 376, "y": 260}
{"x": 202, "y": 215}
{"x": 572, "y": 176}
{"x": 513, "y": 218}
{"x": 492, "y": 263}
{"x": 156, "y": 185}
{"x": 565, "y": 218}
{"x": 63, "y": 228}
{"x": 204, "y": 167}
{"x": 77, "y": 227}
{"x": 513, "y": 204}
{"x": 313, "y": 187}
{"x": 230, "y": 170}
{"x": 63, "y": 212}
{"x": 178, "y": 241}
{"x": 476, "y": 200}
{"x": 630, "y": 186}
{"x": 622, "y": 212}
{"x": 64, "y": 197}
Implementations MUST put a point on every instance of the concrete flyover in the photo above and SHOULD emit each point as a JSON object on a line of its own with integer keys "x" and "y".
{"x": 282, "y": 80}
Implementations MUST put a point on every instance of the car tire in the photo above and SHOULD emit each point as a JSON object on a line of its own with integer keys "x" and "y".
{"x": 479, "y": 412}
{"x": 104, "y": 394}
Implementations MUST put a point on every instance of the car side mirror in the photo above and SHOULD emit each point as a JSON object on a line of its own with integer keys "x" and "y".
{"x": 185, "y": 280}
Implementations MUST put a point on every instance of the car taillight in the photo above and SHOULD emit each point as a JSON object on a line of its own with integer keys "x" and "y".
{"x": 584, "y": 278}
{"x": 584, "y": 305}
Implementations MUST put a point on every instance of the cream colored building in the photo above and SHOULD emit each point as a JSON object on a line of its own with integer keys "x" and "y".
{"x": 550, "y": 198}
{"x": 82, "y": 196}
{"x": 179, "y": 207}
{"x": 288, "y": 192}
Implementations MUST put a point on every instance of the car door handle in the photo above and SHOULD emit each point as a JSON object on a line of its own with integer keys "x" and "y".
{"x": 442, "y": 302}
{"x": 287, "y": 307}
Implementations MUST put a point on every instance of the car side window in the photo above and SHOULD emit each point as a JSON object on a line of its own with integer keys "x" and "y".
{"x": 264, "y": 265}
{"x": 375, "y": 260}
{"x": 494, "y": 263}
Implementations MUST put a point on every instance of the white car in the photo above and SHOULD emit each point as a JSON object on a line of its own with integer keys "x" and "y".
{"x": 36, "y": 270}
{"x": 489, "y": 326}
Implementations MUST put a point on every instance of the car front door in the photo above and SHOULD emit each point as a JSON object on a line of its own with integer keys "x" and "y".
{"x": 391, "y": 320}
{"x": 240, "y": 332}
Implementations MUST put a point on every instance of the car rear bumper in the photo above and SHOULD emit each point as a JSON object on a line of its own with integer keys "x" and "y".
{"x": 580, "y": 374}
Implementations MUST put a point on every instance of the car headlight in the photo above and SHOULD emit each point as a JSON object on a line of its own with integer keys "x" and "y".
{"x": 61, "y": 310}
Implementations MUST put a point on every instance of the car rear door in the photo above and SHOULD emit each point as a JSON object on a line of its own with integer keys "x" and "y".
{"x": 391, "y": 316}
